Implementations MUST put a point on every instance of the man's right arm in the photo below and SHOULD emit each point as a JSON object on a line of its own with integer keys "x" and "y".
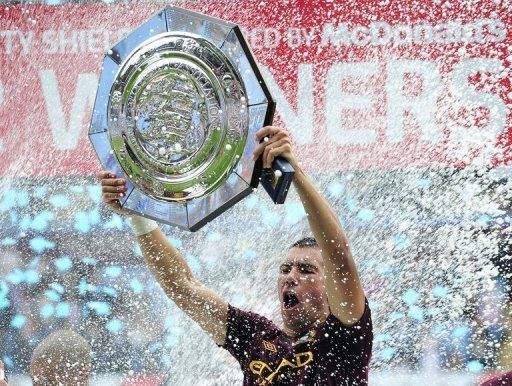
{"x": 171, "y": 270}
{"x": 173, "y": 274}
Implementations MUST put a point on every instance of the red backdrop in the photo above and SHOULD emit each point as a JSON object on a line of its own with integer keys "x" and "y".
{"x": 374, "y": 84}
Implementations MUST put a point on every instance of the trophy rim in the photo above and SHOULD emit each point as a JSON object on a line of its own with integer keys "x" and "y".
{"x": 193, "y": 214}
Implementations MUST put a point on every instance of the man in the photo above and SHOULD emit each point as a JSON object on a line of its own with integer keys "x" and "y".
{"x": 62, "y": 359}
{"x": 327, "y": 335}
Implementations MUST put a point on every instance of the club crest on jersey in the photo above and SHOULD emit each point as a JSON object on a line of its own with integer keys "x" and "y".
{"x": 269, "y": 346}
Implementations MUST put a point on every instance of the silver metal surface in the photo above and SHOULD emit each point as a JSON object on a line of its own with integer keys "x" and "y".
{"x": 177, "y": 117}
{"x": 177, "y": 101}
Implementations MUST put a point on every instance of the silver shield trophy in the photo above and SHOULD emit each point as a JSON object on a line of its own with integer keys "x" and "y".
{"x": 177, "y": 105}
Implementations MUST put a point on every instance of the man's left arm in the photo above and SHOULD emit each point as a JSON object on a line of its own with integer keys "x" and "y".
{"x": 343, "y": 286}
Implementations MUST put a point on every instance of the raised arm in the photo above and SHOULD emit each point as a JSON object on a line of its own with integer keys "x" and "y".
{"x": 170, "y": 268}
{"x": 344, "y": 290}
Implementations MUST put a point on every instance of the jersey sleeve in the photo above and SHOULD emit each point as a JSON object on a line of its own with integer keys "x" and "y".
{"x": 243, "y": 329}
{"x": 353, "y": 345}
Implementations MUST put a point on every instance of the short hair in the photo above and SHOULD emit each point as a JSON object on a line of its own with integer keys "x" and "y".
{"x": 305, "y": 242}
{"x": 64, "y": 357}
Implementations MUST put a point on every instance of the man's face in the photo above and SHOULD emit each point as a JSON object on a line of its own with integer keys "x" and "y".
{"x": 301, "y": 288}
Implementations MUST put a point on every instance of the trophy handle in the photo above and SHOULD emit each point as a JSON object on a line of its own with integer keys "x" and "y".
{"x": 277, "y": 179}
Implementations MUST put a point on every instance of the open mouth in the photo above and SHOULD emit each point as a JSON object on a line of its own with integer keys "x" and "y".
{"x": 290, "y": 300}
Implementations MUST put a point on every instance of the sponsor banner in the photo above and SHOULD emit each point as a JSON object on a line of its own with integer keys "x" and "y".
{"x": 361, "y": 85}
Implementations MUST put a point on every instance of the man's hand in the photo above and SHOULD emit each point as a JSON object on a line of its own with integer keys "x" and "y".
{"x": 274, "y": 142}
{"x": 113, "y": 189}
{"x": 3, "y": 382}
